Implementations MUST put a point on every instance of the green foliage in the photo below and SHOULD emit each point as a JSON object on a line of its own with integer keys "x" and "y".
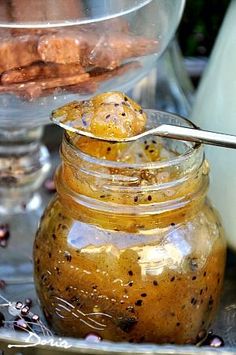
{"x": 200, "y": 25}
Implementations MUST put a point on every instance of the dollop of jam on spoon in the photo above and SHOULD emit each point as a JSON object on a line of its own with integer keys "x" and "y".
{"x": 111, "y": 115}
{"x": 114, "y": 117}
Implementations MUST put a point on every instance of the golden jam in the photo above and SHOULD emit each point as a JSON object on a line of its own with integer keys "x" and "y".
{"x": 108, "y": 115}
{"x": 130, "y": 248}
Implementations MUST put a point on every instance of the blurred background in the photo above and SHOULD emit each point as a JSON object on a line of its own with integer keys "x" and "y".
{"x": 199, "y": 26}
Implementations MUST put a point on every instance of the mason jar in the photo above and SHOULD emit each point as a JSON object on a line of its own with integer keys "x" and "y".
{"x": 131, "y": 251}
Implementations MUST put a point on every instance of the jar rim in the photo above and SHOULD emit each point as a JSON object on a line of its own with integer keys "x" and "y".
{"x": 192, "y": 148}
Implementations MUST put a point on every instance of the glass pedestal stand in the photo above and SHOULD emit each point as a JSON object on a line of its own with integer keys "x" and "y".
{"x": 24, "y": 164}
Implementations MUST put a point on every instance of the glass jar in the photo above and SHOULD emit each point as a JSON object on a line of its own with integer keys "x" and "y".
{"x": 131, "y": 251}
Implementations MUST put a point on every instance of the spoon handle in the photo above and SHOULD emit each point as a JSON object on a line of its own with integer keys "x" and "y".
{"x": 196, "y": 135}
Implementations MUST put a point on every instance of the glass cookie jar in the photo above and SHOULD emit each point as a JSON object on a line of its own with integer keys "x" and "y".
{"x": 130, "y": 248}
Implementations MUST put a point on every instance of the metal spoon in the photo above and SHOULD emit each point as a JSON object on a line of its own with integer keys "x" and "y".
{"x": 168, "y": 131}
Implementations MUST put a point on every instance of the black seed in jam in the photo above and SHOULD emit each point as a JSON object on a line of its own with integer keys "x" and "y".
{"x": 94, "y": 287}
{"x": 75, "y": 300}
{"x": 153, "y": 141}
{"x": 130, "y": 309}
{"x": 68, "y": 256}
{"x": 107, "y": 116}
{"x": 151, "y": 151}
{"x": 201, "y": 291}
{"x": 155, "y": 283}
{"x": 172, "y": 279}
{"x": 211, "y": 301}
{"x": 54, "y": 236}
{"x": 194, "y": 278}
{"x": 147, "y": 147}
{"x": 126, "y": 98}
{"x": 138, "y": 303}
{"x": 141, "y": 111}
{"x": 108, "y": 149}
{"x": 50, "y": 255}
{"x": 193, "y": 300}
{"x": 130, "y": 272}
{"x": 149, "y": 198}
{"x": 172, "y": 224}
{"x": 57, "y": 270}
{"x": 123, "y": 114}
{"x": 116, "y": 105}
{"x": 143, "y": 295}
{"x": 102, "y": 196}
{"x": 130, "y": 283}
{"x": 204, "y": 274}
{"x": 126, "y": 323}
{"x": 136, "y": 199}
{"x": 177, "y": 324}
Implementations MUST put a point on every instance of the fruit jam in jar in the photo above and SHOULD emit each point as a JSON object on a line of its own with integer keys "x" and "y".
{"x": 130, "y": 248}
